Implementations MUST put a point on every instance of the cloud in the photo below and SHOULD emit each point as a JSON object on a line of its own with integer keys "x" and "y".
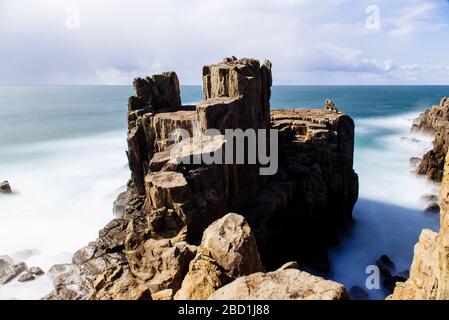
{"x": 307, "y": 43}
{"x": 329, "y": 58}
{"x": 414, "y": 18}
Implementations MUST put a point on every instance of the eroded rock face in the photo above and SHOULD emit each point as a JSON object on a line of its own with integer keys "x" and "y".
{"x": 429, "y": 274}
{"x": 434, "y": 120}
{"x": 288, "y": 284}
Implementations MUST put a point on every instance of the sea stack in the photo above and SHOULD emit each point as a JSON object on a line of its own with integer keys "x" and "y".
{"x": 178, "y": 214}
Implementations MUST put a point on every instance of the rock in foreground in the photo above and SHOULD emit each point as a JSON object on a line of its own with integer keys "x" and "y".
{"x": 288, "y": 284}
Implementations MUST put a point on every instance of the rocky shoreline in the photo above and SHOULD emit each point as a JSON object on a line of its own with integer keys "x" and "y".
{"x": 176, "y": 236}
{"x": 429, "y": 273}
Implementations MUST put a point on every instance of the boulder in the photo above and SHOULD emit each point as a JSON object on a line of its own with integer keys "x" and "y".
{"x": 432, "y": 208}
{"x": 26, "y": 276}
{"x": 36, "y": 271}
{"x": 232, "y": 245}
{"x": 5, "y": 261}
{"x": 12, "y": 271}
{"x": 288, "y": 284}
{"x": 5, "y": 187}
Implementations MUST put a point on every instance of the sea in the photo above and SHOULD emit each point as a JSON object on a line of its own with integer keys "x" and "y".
{"x": 62, "y": 148}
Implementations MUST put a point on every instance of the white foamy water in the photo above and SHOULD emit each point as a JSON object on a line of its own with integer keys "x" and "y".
{"x": 63, "y": 194}
{"x": 389, "y": 214}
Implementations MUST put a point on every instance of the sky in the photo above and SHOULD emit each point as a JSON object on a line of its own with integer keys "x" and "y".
{"x": 308, "y": 41}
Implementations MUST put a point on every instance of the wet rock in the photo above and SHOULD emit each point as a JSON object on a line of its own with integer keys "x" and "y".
{"x": 11, "y": 272}
{"x": 434, "y": 120}
{"x": 414, "y": 161}
{"x": 289, "y": 284}
{"x": 432, "y": 208}
{"x": 26, "y": 276}
{"x": 5, "y": 261}
{"x": 5, "y": 187}
{"x": 36, "y": 271}
{"x": 120, "y": 203}
{"x": 430, "y": 198}
{"x": 385, "y": 264}
{"x": 358, "y": 293}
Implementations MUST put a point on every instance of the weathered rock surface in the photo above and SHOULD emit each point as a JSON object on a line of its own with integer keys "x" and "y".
{"x": 232, "y": 244}
{"x": 5, "y": 261}
{"x": 228, "y": 250}
{"x": 429, "y": 274}
{"x": 288, "y": 284}
{"x": 11, "y": 272}
{"x": 5, "y": 187}
{"x": 434, "y": 120}
{"x": 26, "y": 276}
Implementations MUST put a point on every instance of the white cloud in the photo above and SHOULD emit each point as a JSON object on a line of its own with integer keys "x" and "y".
{"x": 307, "y": 43}
{"x": 417, "y": 17}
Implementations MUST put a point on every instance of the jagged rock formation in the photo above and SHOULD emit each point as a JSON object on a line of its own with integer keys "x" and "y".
{"x": 434, "y": 120}
{"x": 283, "y": 284}
{"x": 429, "y": 274}
{"x": 164, "y": 244}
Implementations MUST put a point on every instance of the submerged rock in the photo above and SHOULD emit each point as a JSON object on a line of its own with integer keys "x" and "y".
{"x": 5, "y": 187}
{"x": 358, "y": 293}
{"x": 432, "y": 208}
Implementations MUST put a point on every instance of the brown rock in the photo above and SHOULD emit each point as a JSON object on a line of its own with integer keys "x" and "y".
{"x": 289, "y": 284}
{"x": 429, "y": 273}
{"x": 232, "y": 244}
{"x": 12, "y": 271}
{"x": 204, "y": 277}
{"x": 161, "y": 264}
{"x": 26, "y": 276}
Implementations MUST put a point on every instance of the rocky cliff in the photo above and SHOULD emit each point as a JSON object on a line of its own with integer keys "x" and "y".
{"x": 429, "y": 274}
{"x": 434, "y": 120}
{"x": 174, "y": 237}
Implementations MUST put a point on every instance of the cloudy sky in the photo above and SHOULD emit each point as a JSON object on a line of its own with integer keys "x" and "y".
{"x": 308, "y": 41}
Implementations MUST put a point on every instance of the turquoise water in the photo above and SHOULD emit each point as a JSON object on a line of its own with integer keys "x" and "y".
{"x": 63, "y": 150}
